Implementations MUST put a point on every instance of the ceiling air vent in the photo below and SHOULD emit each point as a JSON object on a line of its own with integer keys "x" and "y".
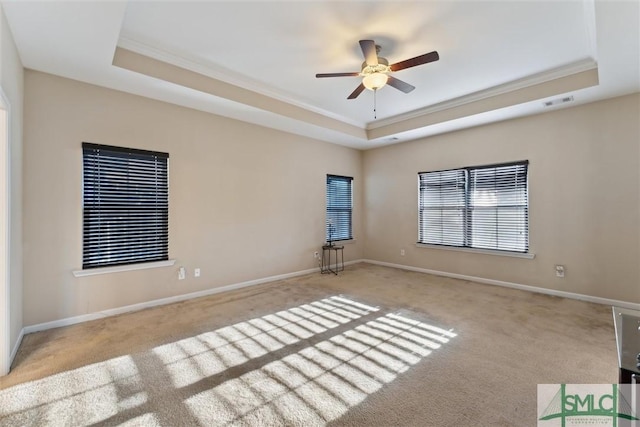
{"x": 558, "y": 101}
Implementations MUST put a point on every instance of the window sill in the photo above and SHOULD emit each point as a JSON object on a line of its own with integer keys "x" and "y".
{"x": 121, "y": 268}
{"x": 479, "y": 251}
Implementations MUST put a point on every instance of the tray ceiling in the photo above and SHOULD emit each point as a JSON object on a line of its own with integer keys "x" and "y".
{"x": 256, "y": 61}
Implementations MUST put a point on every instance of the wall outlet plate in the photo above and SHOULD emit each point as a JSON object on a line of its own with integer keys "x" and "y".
{"x": 196, "y": 272}
{"x": 559, "y": 270}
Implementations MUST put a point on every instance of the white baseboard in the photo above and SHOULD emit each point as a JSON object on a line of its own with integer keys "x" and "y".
{"x": 581, "y": 297}
{"x": 163, "y": 301}
{"x": 14, "y": 351}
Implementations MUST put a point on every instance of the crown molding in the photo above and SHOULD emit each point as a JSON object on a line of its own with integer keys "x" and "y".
{"x": 543, "y": 77}
{"x": 226, "y": 75}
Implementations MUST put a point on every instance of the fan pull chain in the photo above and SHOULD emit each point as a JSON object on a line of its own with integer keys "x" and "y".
{"x": 375, "y": 114}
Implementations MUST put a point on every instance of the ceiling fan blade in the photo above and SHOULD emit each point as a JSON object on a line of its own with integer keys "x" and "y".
{"x": 369, "y": 51}
{"x": 337, "y": 75}
{"x": 356, "y": 92}
{"x": 418, "y": 60}
{"x": 400, "y": 85}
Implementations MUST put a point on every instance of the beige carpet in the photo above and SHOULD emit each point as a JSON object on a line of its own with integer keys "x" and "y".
{"x": 373, "y": 346}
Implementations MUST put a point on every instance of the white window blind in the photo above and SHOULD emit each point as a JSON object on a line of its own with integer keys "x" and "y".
{"x": 339, "y": 208}
{"x": 442, "y": 207}
{"x": 125, "y": 206}
{"x": 485, "y": 207}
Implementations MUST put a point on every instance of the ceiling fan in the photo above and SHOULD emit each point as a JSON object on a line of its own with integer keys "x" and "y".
{"x": 375, "y": 69}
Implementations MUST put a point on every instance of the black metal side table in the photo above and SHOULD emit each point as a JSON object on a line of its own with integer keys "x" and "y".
{"x": 327, "y": 250}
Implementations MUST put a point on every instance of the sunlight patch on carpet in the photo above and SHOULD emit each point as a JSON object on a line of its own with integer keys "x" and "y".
{"x": 192, "y": 359}
{"x": 288, "y": 367}
{"x": 93, "y": 392}
{"x": 321, "y": 383}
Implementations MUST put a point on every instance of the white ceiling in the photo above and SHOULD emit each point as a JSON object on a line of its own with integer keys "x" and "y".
{"x": 260, "y": 58}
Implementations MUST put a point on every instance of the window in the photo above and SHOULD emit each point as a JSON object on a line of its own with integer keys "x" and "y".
{"x": 125, "y": 206}
{"x": 484, "y": 207}
{"x": 339, "y": 208}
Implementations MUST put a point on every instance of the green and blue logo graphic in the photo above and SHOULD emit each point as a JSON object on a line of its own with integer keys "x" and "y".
{"x": 589, "y": 404}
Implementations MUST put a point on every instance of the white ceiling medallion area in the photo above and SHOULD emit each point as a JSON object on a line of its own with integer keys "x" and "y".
{"x": 256, "y": 61}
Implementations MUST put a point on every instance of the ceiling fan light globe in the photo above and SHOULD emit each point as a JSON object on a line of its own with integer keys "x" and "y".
{"x": 375, "y": 81}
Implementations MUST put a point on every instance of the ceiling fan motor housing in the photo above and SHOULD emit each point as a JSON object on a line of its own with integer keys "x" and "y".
{"x": 381, "y": 67}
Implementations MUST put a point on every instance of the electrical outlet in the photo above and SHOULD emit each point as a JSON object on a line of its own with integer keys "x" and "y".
{"x": 196, "y": 272}
{"x": 316, "y": 254}
{"x": 559, "y": 270}
{"x": 182, "y": 273}
{"x": 401, "y": 252}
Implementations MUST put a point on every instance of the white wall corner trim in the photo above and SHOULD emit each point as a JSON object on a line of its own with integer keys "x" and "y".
{"x": 553, "y": 292}
{"x": 163, "y": 301}
{"x": 6, "y": 358}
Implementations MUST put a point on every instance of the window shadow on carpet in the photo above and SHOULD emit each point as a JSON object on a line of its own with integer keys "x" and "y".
{"x": 307, "y": 365}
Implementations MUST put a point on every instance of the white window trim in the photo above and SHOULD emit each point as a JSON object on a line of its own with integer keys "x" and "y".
{"x": 121, "y": 268}
{"x": 527, "y": 255}
{"x": 468, "y": 170}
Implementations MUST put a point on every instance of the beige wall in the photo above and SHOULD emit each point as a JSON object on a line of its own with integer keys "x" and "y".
{"x": 246, "y": 202}
{"x": 584, "y": 183}
{"x": 11, "y": 81}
